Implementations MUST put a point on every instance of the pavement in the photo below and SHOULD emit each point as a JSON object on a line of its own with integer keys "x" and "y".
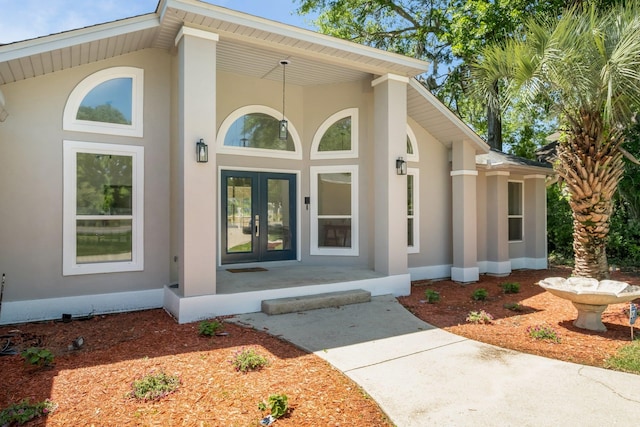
{"x": 423, "y": 376}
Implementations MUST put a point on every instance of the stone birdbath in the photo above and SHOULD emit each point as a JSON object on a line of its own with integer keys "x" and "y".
{"x": 590, "y": 297}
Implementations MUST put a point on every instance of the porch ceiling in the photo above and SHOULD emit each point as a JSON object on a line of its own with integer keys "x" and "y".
{"x": 248, "y": 45}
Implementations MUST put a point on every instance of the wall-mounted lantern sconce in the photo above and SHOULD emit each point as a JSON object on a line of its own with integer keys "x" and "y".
{"x": 202, "y": 152}
{"x": 401, "y": 166}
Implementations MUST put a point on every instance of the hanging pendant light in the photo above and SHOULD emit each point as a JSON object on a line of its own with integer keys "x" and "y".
{"x": 282, "y": 134}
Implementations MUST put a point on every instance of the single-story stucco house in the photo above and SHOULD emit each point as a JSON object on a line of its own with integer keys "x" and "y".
{"x": 203, "y": 160}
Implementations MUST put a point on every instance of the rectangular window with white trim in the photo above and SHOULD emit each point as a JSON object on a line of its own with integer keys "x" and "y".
{"x": 334, "y": 210}
{"x": 516, "y": 211}
{"x": 103, "y": 208}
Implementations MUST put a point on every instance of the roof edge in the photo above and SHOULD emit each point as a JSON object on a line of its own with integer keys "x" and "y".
{"x": 21, "y": 49}
{"x": 481, "y": 146}
{"x": 417, "y": 66}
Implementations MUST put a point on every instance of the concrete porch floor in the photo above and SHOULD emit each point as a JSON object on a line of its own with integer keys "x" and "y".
{"x": 286, "y": 276}
{"x": 238, "y": 293}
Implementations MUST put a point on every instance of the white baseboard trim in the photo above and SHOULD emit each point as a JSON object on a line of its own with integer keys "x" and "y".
{"x": 498, "y": 268}
{"x": 53, "y": 308}
{"x": 430, "y": 272}
{"x": 529, "y": 263}
{"x": 465, "y": 275}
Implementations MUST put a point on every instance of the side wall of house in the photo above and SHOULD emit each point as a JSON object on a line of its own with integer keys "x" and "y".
{"x": 31, "y": 185}
{"x": 435, "y": 256}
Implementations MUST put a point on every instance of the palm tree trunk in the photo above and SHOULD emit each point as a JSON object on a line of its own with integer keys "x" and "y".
{"x": 591, "y": 166}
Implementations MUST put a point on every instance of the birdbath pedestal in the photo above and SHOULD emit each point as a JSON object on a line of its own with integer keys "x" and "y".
{"x": 590, "y": 297}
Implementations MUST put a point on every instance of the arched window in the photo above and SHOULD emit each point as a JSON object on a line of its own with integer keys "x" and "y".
{"x": 253, "y": 131}
{"x": 412, "y": 146}
{"x": 109, "y": 101}
{"x": 337, "y": 137}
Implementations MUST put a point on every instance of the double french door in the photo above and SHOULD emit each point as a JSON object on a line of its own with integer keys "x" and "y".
{"x": 258, "y": 216}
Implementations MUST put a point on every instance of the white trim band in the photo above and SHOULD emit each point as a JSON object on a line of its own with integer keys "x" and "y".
{"x": 464, "y": 172}
{"x": 498, "y": 173}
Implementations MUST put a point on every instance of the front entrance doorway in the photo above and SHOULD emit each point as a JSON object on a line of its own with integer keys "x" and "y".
{"x": 258, "y": 216}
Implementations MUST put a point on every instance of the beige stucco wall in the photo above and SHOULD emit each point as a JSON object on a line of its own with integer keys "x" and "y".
{"x": 306, "y": 109}
{"x": 31, "y": 183}
{"x": 435, "y": 201}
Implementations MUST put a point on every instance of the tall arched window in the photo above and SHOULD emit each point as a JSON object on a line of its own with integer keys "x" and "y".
{"x": 108, "y": 101}
{"x": 412, "y": 145}
{"x": 337, "y": 137}
{"x": 253, "y": 131}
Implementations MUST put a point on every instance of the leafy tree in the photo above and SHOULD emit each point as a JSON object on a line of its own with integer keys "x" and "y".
{"x": 448, "y": 33}
{"x": 585, "y": 65}
{"x": 102, "y": 113}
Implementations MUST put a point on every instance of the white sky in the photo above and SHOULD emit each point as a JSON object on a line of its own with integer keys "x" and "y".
{"x": 26, "y": 19}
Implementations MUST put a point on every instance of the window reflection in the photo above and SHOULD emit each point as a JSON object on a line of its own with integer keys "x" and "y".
{"x": 108, "y": 102}
{"x": 257, "y": 130}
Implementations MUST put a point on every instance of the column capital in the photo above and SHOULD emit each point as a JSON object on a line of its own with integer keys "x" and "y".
{"x": 387, "y": 77}
{"x": 188, "y": 31}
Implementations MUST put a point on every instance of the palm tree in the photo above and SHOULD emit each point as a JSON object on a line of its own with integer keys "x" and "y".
{"x": 584, "y": 65}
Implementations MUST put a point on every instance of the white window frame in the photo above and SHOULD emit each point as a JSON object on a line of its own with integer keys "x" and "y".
{"x": 70, "y": 266}
{"x": 259, "y": 152}
{"x": 414, "y": 144}
{"x": 135, "y": 129}
{"x": 521, "y": 217}
{"x": 314, "y": 217}
{"x": 415, "y": 172}
{"x": 339, "y": 154}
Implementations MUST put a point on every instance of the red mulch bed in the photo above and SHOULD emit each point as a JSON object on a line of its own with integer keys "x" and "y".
{"x": 90, "y": 384}
{"x": 509, "y": 328}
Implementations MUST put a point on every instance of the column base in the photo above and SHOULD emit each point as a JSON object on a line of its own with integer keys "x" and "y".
{"x": 465, "y": 275}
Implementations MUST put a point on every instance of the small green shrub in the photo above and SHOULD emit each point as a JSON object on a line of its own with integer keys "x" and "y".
{"x": 36, "y": 356}
{"x": 626, "y": 359}
{"x": 154, "y": 386}
{"x": 479, "y": 317}
{"x": 513, "y": 306}
{"x": 278, "y": 405}
{"x": 510, "y": 287}
{"x": 248, "y": 359}
{"x": 480, "y": 294}
{"x": 24, "y": 411}
{"x": 209, "y": 328}
{"x": 543, "y": 332}
{"x": 431, "y": 296}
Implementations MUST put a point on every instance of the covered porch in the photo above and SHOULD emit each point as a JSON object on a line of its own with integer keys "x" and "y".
{"x": 243, "y": 292}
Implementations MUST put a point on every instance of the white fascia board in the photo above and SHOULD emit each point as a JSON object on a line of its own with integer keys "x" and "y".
{"x": 66, "y": 39}
{"x": 482, "y": 146}
{"x": 239, "y": 18}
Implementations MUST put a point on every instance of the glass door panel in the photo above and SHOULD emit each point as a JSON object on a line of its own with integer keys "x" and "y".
{"x": 259, "y": 216}
{"x": 239, "y": 213}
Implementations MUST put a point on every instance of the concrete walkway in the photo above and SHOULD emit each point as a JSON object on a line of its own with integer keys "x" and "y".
{"x": 423, "y": 376}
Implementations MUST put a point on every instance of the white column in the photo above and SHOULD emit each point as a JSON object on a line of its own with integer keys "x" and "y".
{"x": 390, "y": 204}
{"x": 464, "y": 212}
{"x": 198, "y": 187}
{"x": 498, "y": 261}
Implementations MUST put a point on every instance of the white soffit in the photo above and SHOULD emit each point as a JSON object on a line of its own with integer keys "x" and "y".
{"x": 248, "y": 45}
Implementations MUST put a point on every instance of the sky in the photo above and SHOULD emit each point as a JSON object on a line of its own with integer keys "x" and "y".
{"x": 26, "y": 19}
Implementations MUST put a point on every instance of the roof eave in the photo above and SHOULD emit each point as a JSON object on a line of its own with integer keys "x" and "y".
{"x": 469, "y": 134}
{"x": 412, "y": 66}
{"x": 70, "y": 38}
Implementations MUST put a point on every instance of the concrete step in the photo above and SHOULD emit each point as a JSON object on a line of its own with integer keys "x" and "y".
{"x": 312, "y": 302}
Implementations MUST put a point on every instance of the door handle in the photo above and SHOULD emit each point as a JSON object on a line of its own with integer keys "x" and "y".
{"x": 256, "y": 224}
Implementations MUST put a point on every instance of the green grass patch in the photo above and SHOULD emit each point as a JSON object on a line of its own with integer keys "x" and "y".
{"x": 627, "y": 359}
